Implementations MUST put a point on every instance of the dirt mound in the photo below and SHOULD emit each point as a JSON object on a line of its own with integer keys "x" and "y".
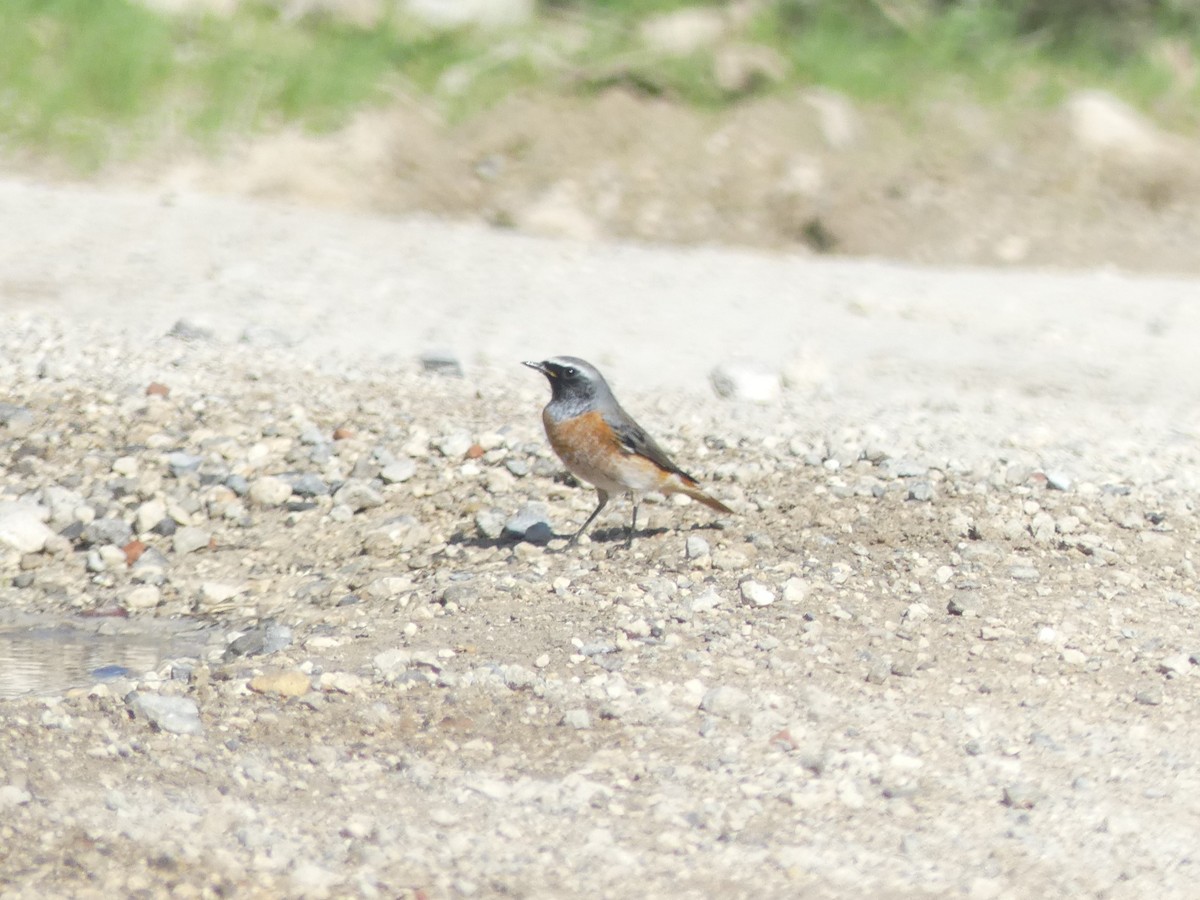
{"x": 808, "y": 173}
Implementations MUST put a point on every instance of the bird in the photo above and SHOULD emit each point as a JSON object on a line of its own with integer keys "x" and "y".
{"x": 601, "y": 444}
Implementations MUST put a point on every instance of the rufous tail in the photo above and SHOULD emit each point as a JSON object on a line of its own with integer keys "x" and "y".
{"x": 711, "y": 502}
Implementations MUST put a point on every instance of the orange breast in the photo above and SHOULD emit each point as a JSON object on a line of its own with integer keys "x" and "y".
{"x": 590, "y": 450}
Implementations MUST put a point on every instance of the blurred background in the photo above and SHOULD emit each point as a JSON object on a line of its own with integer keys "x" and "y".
{"x": 1036, "y": 132}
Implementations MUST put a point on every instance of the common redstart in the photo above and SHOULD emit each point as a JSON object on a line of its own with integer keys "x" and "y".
{"x": 601, "y": 443}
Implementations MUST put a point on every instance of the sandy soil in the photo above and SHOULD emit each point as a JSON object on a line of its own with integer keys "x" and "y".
{"x": 972, "y": 506}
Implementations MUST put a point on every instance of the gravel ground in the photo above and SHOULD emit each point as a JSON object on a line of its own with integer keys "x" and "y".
{"x": 946, "y": 647}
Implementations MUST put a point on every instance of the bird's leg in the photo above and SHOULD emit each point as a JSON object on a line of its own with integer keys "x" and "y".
{"x": 603, "y": 495}
{"x": 632, "y": 524}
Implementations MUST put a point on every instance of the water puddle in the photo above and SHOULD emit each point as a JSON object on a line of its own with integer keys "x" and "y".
{"x": 52, "y": 659}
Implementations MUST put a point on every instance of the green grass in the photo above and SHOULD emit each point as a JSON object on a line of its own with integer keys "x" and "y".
{"x": 88, "y": 79}
{"x": 74, "y": 74}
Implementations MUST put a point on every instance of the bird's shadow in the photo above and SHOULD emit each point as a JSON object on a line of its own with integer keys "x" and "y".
{"x": 616, "y": 534}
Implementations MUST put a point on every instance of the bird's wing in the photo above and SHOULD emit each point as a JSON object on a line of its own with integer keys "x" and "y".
{"x": 633, "y": 439}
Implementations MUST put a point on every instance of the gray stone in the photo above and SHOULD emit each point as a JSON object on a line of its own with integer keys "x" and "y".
{"x": 16, "y": 420}
{"x": 309, "y": 485}
{"x": 178, "y": 715}
{"x": 531, "y": 523}
{"x": 903, "y": 468}
{"x": 696, "y": 547}
{"x": 921, "y": 491}
{"x": 151, "y": 567}
{"x": 108, "y": 531}
{"x": 181, "y": 463}
{"x": 358, "y": 495}
{"x": 401, "y": 533}
{"x": 441, "y": 363}
{"x": 189, "y": 331}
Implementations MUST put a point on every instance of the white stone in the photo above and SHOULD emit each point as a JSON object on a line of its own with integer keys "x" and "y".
{"x": 270, "y": 491}
{"x": 149, "y": 514}
{"x": 757, "y": 594}
{"x": 795, "y": 590}
{"x": 342, "y": 682}
{"x": 1102, "y": 123}
{"x": 684, "y": 31}
{"x": 145, "y": 596}
{"x": 23, "y": 526}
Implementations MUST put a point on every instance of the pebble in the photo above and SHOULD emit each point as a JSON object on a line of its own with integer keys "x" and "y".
{"x": 401, "y": 533}
{"x": 181, "y": 463}
{"x": 341, "y": 682}
{"x": 795, "y": 590}
{"x": 756, "y": 594}
{"x": 108, "y": 531}
{"x": 705, "y": 602}
{"x": 1074, "y": 657}
{"x": 190, "y": 539}
{"x": 269, "y": 490}
{"x": 309, "y": 485}
{"x": 23, "y": 527}
{"x": 490, "y": 523}
{"x": 921, "y": 491}
{"x": 727, "y": 702}
{"x": 696, "y": 547}
{"x": 399, "y": 471}
{"x": 1176, "y": 664}
{"x": 531, "y": 523}
{"x": 1020, "y": 796}
{"x": 963, "y": 604}
{"x": 217, "y": 594}
{"x": 578, "y": 719}
{"x": 1058, "y": 480}
{"x": 148, "y": 515}
{"x": 11, "y": 795}
{"x": 441, "y": 363}
{"x": 269, "y": 637}
{"x": 454, "y": 445}
{"x": 358, "y": 495}
{"x": 145, "y": 596}
{"x": 178, "y": 715}
{"x": 285, "y": 682}
{"x": 17, "y": 420}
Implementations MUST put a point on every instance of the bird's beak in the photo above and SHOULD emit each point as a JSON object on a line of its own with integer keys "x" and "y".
{"x": 541, "y": 367}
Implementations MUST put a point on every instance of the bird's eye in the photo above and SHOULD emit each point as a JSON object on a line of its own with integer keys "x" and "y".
{"x": 570, "y": 371}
